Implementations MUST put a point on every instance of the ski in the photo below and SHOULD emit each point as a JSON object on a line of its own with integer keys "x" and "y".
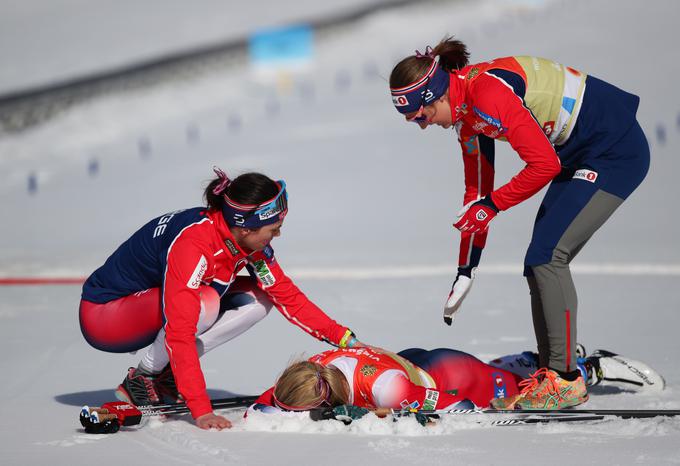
{"x": 621, "y": 413}
{"x": 110, "y": 417}
{"x": 499, "y": 417}
{"x": 347, "y": 416}
{"x": 544, "y": 418}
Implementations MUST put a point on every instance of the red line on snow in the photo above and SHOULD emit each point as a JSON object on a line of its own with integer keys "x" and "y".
{"x": 9, "y": 281}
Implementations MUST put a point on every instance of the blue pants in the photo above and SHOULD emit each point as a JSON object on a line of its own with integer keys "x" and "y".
{"x": 577, "y": 204}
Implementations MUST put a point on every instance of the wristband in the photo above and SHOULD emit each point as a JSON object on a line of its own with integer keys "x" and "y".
{"x": 346, "y": 338}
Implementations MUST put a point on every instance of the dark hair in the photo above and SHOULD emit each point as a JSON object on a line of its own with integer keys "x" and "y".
{"x": 247, "y": 189}
{"x": 453, "y": 55}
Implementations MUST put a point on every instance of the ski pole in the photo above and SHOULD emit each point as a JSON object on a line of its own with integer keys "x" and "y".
{"x": 109, "y": 418}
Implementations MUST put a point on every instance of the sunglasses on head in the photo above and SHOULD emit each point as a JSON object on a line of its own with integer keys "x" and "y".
{"x": 274, "y": 206}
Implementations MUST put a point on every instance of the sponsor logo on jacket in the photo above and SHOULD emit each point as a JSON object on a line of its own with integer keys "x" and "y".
{"x": 368, "y": 370}
{"x": 490, "y": 120}
{"x": 549, "y": 127}
{"x": 499, "y": 385}
{"x": 268, "y": 252}
{"x": 163, "y": 223}
{"x": 431, "y": 397}
{"x": 232, "y": 248}
{"x": 586, "y": 175}
{"x": 264, "y": 274}
{"x": 405, "y": 404}
{"x": 196, "y": 277}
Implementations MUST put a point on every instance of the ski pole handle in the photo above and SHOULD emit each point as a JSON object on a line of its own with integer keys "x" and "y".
{"x": 108, "y": 418}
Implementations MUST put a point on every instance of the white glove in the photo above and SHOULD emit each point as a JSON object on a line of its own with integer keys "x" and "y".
{"x": 459, "y": 290}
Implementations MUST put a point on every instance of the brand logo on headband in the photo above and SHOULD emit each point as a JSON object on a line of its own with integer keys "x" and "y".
{"x": 399, "y": 100}
{"x": 269, "y": 214}
{"x": 239, "y": 220}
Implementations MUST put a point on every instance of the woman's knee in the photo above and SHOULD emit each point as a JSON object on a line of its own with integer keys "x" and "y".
{"x": 210, "y": 308}
{"x": 122, "y": 325}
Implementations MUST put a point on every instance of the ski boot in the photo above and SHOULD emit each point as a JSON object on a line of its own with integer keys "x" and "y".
{"x": 526, "y": 363}
{"x": 166, "y": 387}
{"x": 611, "y": 368}
{"x": 138, "y": 388}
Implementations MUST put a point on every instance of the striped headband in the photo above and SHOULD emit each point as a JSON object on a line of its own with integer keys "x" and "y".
{"x": 423, "y": 92}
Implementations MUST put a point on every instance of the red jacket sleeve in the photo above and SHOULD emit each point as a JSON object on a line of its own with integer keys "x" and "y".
{"x": 267, "y": 398}
{"x": 478, "y": 165}
{"x": 187, "y": 263}
{"x": 291, "y": 302}
{"x": 493, "y": 97}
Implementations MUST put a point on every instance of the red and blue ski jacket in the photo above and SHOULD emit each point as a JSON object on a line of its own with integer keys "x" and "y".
{"x": 553, "y": 116}
{"x": 180, "y": 251}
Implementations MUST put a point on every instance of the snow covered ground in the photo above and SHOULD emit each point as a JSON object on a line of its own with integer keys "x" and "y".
{"x": 368, "y": 238}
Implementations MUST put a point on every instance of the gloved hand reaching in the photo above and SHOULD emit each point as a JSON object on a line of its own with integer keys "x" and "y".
{"x": 459, "y": 290}
{"x": 475, "y": 216}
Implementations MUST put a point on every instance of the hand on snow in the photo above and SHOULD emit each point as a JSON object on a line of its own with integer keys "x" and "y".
{"x": 475, "y": 216}
{"x": 212, "y": 421}
{"x": 459, "y": 290}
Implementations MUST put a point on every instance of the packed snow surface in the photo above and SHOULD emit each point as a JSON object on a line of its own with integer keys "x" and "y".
{"x": 368, "y": 237}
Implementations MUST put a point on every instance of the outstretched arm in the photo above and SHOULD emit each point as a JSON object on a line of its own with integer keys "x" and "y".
{"x": 478, "y": 163}
{"x": 293, "y": 304}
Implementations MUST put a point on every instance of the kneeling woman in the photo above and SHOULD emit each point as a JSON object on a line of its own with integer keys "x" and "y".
{"x": 173, "y": 285}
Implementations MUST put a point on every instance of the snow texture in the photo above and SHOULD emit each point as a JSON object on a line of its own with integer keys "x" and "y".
{"x": 368, "y": 237}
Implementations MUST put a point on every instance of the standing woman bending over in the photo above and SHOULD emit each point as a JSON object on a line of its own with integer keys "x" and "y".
{"x": 173, "y": 285}
{"x": 572, "y": 130}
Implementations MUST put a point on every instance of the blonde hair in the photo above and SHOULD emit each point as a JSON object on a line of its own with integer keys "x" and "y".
{"x": 305, "y": 385}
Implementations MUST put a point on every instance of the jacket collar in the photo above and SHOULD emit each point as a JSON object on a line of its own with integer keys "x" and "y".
{"x": 458, "y": 94}
{"x": 225, "y": 234}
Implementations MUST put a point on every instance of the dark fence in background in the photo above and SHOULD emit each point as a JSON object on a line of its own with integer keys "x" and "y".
{"x": 23, "y": 109}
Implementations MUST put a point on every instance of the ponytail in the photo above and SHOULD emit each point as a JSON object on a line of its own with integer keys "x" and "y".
{"x": 247, "y": 189}
{"x": 453, "y": 55}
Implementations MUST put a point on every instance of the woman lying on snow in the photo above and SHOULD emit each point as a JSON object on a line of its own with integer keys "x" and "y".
{"x": 420, "y": 379}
